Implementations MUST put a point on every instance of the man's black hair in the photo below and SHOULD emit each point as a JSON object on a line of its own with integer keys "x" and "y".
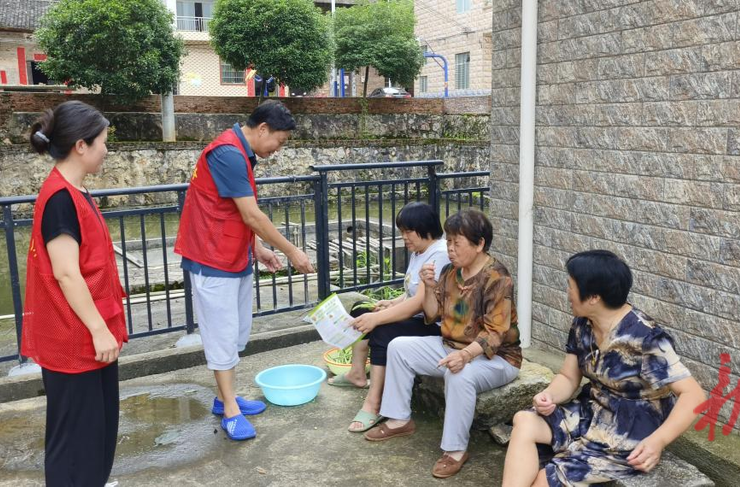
{"x": 274, "y": 114}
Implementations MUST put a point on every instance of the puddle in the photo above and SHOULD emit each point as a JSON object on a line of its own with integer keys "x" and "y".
{"x": 22, "y": 441}
{"x": 159, "y": 427}
{"x": 151, "y": 421}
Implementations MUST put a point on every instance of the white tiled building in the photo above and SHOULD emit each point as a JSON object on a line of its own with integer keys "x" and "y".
{"x": 459, "y": 30}
{"x": 204, "y": 74}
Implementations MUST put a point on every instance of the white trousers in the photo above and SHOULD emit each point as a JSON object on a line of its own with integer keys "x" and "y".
{"x": 223, "y": 306}
{"x": 409, "y": 356}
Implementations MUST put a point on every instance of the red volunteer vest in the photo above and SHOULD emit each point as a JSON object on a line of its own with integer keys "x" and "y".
{"x": 212, "y": 231}
{"x": 53, "y": 335}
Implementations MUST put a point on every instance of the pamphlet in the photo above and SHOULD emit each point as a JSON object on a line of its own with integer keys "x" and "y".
{"x": 333, "y": 323}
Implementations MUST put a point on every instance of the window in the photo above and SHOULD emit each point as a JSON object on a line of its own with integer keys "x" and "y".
{"x": 463, "y": 6}
{"x": 423, "y": 84}
{"x": 194, "y": 16}
{"x": 230, "y": 76}
{"x": 462, "y": 71}
{"x": 425, "y": 49}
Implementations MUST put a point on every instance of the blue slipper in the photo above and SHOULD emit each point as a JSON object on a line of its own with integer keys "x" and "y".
{"x": 238, "y": 428}
{"x": 250, "y": 408}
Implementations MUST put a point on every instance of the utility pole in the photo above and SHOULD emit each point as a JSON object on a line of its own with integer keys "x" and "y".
{"x": 333, "y": 76}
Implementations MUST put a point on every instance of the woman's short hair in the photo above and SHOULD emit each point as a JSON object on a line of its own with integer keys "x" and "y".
{"x": 601, "y": 273}
{"x": 274, "y": 114}
{"x": 471, "y": 224}
{"x": 57, "y": 131}
{"x": 420, "y": 218}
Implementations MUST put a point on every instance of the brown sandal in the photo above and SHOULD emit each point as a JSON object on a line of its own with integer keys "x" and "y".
{"x": 448, "y": 466}
{"x": 383, "y": 432}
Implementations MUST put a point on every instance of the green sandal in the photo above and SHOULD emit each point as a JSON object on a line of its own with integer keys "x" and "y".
{"x": 368, "y": 420}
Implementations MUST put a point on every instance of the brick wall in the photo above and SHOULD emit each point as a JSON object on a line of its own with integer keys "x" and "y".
{"x": 202, "y": 118}
{"x": 638, "y": 138}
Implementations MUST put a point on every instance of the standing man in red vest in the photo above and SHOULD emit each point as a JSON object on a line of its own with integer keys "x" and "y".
{"x": 217, "y": 241}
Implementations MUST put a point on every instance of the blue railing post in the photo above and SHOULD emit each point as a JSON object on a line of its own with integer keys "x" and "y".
{"x": 189, "y": 321}
{"x": 15, "y": 280}
{"x": 321, "y": 204}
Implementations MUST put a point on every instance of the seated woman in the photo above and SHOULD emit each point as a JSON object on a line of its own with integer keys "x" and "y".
{"x": 421, "y": 231}
{"x": 623, "y": 419}
{"x": 479, "y": 347}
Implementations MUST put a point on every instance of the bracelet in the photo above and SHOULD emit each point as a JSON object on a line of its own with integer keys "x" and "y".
{"x": 469, "y": 353}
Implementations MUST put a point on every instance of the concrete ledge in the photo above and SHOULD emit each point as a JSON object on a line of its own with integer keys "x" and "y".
{"x": 719, "y": 459}
{"x": 149, "y": 363}
{"x": 670, "y": 472}
{"x": 493, "y": 407}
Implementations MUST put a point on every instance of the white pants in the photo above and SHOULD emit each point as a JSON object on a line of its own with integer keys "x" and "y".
{"x": 223, "y": 306}
{"x": 409, "y": 356}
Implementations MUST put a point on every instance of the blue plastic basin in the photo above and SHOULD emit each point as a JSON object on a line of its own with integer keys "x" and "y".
{"x": 290, "y": 385}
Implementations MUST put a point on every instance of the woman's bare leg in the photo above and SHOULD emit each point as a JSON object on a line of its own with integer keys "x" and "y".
{"x": 374, "y": 394}
{"x": 522, "y": 467}
{"x": 356, "y": 374}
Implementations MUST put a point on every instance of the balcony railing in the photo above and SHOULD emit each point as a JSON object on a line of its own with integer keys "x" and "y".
{"x": 193, "y": 24}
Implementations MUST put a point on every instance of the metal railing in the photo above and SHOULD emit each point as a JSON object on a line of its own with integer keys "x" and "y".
{"x": 345, "y": 224}
{"x": 193, "y": 24}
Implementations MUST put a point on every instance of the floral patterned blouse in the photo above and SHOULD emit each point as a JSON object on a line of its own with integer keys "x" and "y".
{"x": 479, "y": 309}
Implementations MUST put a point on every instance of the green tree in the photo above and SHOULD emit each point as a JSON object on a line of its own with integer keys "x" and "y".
{"x": 289, "y": 40}
{"x": 381, "y": 35}
{"x": 122, "y": 47}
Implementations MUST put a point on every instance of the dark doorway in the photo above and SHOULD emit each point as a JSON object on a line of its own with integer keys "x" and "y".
{"x": 37, "y": 76}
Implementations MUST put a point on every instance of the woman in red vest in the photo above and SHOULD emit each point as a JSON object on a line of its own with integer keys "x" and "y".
{"x": 73, "y": 324}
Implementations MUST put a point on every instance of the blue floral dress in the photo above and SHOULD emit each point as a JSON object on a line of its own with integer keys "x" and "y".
{"x": 626, "y": 400}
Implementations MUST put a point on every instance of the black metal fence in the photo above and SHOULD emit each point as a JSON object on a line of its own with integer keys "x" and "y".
{"x": 343, "y": 217}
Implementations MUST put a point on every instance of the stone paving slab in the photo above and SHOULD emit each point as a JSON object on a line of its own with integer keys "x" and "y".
{"x": 306, "y": 445}
{"x": 670, "y": 472}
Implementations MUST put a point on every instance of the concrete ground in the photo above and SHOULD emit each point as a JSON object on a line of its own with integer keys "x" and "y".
{"x": 169, "y": 437}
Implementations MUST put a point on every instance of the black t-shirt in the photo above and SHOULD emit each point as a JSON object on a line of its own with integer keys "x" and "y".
{"x": 60, "y": 216}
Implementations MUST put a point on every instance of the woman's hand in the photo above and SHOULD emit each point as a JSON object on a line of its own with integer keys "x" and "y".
{"x": 366, "y": 323}
{"x": 543, "y": 403}
{"x": 427, "y": 275}
{"x": 455, "y": 361}
{"x": 106, "y": 346}
{"x": 383, "y": 304}
{"x": 646, "y": 454}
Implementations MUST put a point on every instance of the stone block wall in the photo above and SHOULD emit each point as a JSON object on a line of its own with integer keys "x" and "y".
{"x": 155, "y": 163}
{"x": 202, "y": 118}
{"x": 637, "y": 152}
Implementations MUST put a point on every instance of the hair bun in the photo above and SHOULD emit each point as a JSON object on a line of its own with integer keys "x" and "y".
{"x": 40, "y": 131}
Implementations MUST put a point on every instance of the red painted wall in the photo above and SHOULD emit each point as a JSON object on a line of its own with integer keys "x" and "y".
{"x": 22, "y": 73}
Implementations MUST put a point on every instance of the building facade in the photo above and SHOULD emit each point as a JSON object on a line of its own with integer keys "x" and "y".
{"x": 19, "y": 55}
{"x": 203, "y": 73}
{"x": 459, "y": 31}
